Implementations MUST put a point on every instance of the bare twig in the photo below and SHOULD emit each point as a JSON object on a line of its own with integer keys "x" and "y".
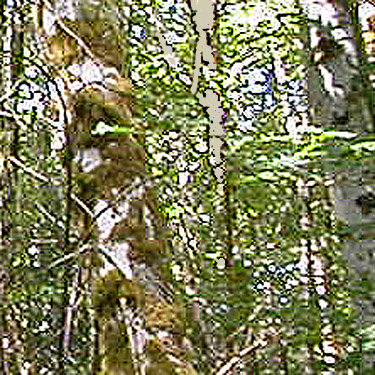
{"x": 80, "y": 42}
{"x": 86, "y": 236}
{"x": 44, "y": 179}
{"x": 71, "y": 33}
{"x": 64, "y": 259}
{"x": 229, "y": 365}
{"x": 170, "y": 58}
{"x": 18, "y": 119}
{"x": 51, "y": 217}
{"x": 69, "y": 311}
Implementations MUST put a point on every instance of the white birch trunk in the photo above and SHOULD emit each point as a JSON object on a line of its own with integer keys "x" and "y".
{"x": 338, "y": 101}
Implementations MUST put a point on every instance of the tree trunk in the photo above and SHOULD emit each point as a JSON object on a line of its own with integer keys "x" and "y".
{"x": 339, "y": 101}
{"x": 140, "y": 326}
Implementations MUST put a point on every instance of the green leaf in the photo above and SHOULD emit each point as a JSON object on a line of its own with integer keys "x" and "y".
{"x": 123, "y": 130}
{"x": 311, "y": 151}
{"x": 336, "y": 134}
{"x": 364, "y": 146}
{"x": 268, "y": 175}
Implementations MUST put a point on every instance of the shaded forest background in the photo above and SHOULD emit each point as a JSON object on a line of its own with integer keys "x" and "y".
{"x": 243, "y": 273}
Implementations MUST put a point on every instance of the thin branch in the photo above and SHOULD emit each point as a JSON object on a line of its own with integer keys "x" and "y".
{"x": 169, "y": 57}
{"x": 6, "y": 114}
{"x": 64, "y": 259}
{"x": 69, "y": 312}
{"x": 46, "y": 180}
{"x": 86, "y": 236}
{"x": 71, "y": 33}
{"x": 268, "y": 338}
{"x": 228, "y": 366}
{"x": 18, "y": 119}
{"x": 82, "y": 205}
{"x": 28, "y": 170}
{"x": 80, "y": 42}
{"x": 51, "y": 217}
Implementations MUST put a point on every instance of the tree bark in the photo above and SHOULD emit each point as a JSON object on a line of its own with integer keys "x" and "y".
{"x": 140, "y": 325}
{"x": 339, "y": 101}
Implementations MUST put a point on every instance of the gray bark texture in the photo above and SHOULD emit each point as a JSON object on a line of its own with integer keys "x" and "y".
{"x": 339, "y": 101}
